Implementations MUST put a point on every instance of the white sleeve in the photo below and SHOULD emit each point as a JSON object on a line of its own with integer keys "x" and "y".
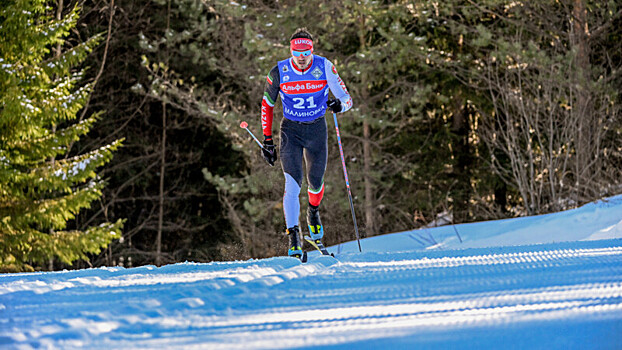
{"x": 337, "y": 86}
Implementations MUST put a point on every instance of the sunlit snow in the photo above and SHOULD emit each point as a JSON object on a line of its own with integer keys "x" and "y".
{"x": 549, "y": 282}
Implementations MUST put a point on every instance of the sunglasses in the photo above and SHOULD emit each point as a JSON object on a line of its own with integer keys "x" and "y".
{"x": 299, "y": 53}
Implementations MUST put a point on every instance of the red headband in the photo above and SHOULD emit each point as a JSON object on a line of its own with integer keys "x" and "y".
{"x": 301, "y": 44}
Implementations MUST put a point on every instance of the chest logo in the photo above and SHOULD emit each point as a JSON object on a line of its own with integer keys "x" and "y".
{"x": 285, "y": 69}
{"x": 317, "y": 73}
{"x": 303, "y": 87}
{"x": 286, "y": 78}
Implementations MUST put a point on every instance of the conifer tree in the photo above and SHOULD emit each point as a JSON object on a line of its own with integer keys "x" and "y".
{"x": 42, "y": 185}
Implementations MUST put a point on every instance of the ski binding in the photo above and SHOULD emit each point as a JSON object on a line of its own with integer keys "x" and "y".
{"x": 318, "y": 245}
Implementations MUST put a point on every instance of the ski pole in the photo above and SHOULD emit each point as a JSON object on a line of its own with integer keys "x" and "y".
{"x": 244, "y": 125}
{"x": 345, "y": 175}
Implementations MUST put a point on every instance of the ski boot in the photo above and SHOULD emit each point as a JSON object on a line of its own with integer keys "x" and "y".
{"x": 295, "y": 245}
{"x": 316, "y": 230}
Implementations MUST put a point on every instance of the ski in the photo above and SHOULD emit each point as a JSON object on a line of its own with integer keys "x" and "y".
{"x": 318, "y": 245}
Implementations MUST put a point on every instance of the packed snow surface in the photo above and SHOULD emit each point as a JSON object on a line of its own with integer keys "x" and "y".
{"x": 549, "y": 282}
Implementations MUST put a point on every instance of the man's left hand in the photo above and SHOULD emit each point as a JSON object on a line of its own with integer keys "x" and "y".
{"x": 334, "y": 105}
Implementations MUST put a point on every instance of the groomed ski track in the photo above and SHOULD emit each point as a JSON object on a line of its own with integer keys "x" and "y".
{"x": 558, "y": 295}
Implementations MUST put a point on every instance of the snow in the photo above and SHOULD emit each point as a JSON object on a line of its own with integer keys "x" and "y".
{"x": 549, "y": 281}
{"x": 597, "y": 220}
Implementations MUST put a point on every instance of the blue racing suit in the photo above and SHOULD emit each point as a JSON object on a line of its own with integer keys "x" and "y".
{"x": 303, "y": 128}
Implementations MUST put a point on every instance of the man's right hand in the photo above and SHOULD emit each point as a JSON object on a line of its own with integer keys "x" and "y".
{"x": 268, "y": 151}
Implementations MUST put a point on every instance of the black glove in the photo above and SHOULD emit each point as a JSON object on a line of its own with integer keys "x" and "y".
{"x": 268, "y": 151}
{"x": 334, "y": 105}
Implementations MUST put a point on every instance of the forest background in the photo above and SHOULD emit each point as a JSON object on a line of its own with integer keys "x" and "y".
{"x": 463, "y": 111}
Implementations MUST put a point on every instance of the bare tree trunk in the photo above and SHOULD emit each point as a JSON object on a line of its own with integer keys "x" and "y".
{"x": 584, "y": 117}
{"x": 59, "y": 16}
{"x": 367, "y": 158}
{"x": 158, "y": 259}
{"x": 369, "y": 195}
{"x": 461, "y": 150}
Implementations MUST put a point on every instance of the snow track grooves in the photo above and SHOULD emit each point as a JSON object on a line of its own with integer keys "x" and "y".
{"x": 379, "y": 321}
{"x": 407, "y": 299}
{"x": 150, "y": 276}
{"x": 492, "y": 259}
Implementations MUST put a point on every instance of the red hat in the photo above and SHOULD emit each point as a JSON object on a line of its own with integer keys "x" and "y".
{"x": 301, "y": 44}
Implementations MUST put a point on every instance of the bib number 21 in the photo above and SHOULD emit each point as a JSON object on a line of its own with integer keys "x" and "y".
{"x": 300, "y": 102}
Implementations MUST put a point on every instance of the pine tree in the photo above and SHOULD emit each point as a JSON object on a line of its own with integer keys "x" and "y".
{"x": 42, "y": 185}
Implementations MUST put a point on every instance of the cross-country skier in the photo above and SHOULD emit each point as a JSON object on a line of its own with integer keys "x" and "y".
{"x": 302, "y": 81}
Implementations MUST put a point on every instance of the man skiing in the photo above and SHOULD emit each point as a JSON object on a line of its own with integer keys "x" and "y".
{"x": 302, "y": 81}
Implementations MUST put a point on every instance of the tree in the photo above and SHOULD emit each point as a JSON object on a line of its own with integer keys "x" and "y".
{"x": 162, "y": 192}
{"x": 552, "y": 100}
{"x": 202, "y": 83}
{"x": 40, "y": 96}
